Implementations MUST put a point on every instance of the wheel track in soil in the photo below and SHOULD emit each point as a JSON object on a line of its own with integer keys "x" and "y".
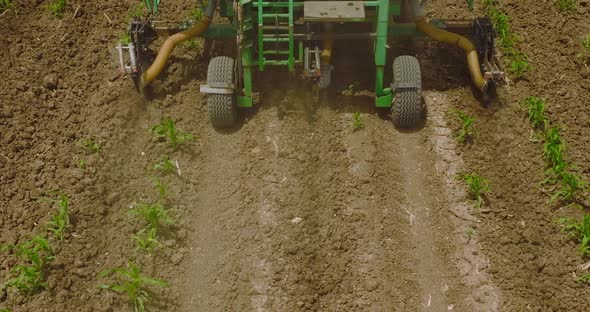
{"x": 354, "y": 248}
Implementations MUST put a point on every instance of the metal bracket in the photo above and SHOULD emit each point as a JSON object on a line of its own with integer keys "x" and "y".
{"x": 127, "y": 65}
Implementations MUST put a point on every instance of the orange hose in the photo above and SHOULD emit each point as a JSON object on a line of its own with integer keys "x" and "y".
{"x": 158, "y": 65}
{"x": 459, "y": 41}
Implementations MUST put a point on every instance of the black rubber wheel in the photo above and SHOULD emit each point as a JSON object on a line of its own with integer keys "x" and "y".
{"x": 222, "y": 108}
{"x": 407, "y": 111}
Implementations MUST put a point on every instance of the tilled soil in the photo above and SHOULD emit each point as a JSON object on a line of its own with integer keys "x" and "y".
{"x": 293, "y": 210}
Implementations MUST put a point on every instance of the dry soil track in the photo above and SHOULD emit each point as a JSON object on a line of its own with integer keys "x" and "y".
{"x": 300, "y": 215}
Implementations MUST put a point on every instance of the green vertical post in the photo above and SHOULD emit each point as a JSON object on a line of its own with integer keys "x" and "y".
{"x": 291, "y": 47}
{"x": 152, "y": 8}
{"x": 382, "y": 95}
{"x": 260, "y": 37}
{"x": 247, "y": 63}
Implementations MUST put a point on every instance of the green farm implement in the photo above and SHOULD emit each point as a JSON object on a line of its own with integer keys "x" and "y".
{"x": 299, "y": 36}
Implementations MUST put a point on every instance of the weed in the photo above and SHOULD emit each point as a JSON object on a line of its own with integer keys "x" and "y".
{"x": 470, "y": 4}
{"x": 29, "y": 278}
{"x": 133, "y": 284}
{"x": 89, "y": 146}
{"x": 125, "y": 39}
{"x": 579, "y": 231}
{"x": 165, "y": 166}
{"x": 154, "y": 215}
{"x": 553, "y": 150}
{"x": 4, "y": 310}
{"x": 81, "y": 163}
{"x": 467, "y": 131}
{"x": 349, "y": 91}
{"x": 146, "y": 239}
{"x": 477, "y": 187}
{"x": 167, "y": 130}
{"x": 357, "y": 122}
{"x": 470, "y": 232}
{"x": 57, "y": 7}
{"x": 536, "y": 111}
{"x": 567, "y": 5}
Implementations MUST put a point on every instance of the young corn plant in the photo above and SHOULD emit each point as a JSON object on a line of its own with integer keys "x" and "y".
{"x": 502, "y": 26}
{"x": 579, "y": 231}
{"x": 165, "y": 166}
{"x": 28, "y": 276}
{"x": 161, "y": 189}
{"x": 569, "y": 6}
{"x": 585, "y": 54}
{"x": 467, "y": 131}
{"x": 553, "y": 151}
{"x": 536, "y": 111}
{"x": 155, "y": 216}
{"x": 60, "y": 222}
{"x": 584, "y": 278}
{"x": 133, "y": 284}
{"x": 137, "y": 12}
{"x": 571, "y": 184}
{"x": 6, "y": 5}
{"x": 57, "y": 7}
{"x": 477, "y": 188}
{"x": 89, "y": 146}
{"x": 357, "y": 122}
{"x": 196, "y": 14}
{"x": 167, "y": 131}
{"x": 146, "y": 239}
{"x": 519, "y": 66}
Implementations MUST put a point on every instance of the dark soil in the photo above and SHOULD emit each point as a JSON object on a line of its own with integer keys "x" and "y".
{"x": 292, "y": 210}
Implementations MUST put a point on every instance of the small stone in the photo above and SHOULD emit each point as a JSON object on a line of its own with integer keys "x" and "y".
{"x": 181, "y": 234}
{"x": 114, "y": 77}
{"x": 372, "y": 284}
{"x": 112, "y": 198}
{"x": 296, "y": 220}
{"x": 21, "y": 86}
{"x": 102, "y": 210}
{"x": 38, "y": 165}
{"x": 3, "y": 294}
{"x": 177, "y": 258}
{"x": 79, "y": 263}
{"x": 50, "y": 81}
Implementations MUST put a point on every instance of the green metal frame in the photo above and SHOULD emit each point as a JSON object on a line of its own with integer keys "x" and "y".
{"x": 152, "y": 5}
{"x": 262, "y": 13}
{"x": 256, "y": 52}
